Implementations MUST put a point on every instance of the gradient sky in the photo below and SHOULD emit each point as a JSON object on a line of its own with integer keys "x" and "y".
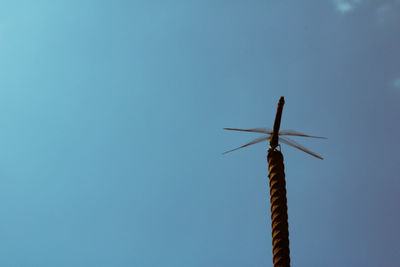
{"x": 111, "y": 117}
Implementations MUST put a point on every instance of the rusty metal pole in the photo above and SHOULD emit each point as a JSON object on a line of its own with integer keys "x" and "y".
{"x": 277, "y": 185}
{"x": 279, "y": 216}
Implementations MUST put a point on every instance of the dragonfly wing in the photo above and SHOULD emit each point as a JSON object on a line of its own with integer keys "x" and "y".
{"x": 255, "y": 130}
{"x": 292, "y": 143}
{"x": 255, "y": 141}
{"x": 294, "y": 133}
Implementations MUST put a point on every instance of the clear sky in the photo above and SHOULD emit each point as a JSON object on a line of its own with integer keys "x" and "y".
{"x": 111, "y": 117}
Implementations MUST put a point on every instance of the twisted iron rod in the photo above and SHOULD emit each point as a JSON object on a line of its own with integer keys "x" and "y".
{"x": 279, "y": 216}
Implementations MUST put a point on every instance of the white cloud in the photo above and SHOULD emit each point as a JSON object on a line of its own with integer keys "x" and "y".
{"x": 385, "y": 11}
{"x": 344, "y": 6}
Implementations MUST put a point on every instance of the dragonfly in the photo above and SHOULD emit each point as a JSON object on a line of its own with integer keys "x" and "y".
{"x": 274, "y": 136}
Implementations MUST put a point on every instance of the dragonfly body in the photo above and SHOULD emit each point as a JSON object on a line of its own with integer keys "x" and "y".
{"x": 274, "y": 139}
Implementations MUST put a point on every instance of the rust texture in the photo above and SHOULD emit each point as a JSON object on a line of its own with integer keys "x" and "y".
{"x": 279, "y": 217}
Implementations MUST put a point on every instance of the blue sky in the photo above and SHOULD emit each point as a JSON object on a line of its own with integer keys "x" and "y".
{"x": 111, "y": 131}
